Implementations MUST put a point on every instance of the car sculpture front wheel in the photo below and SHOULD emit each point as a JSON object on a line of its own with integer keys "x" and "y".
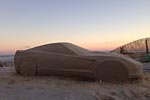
{"x": 28, "y": 66}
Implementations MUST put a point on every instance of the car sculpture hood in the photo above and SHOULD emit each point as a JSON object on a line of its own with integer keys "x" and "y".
{"x": 66, "y": 59}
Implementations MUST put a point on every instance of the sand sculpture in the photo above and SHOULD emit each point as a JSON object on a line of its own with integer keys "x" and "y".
{"x": 66, "y": 59}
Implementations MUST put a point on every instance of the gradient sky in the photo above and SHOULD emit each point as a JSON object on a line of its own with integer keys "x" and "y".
{"x": 92, "y": 24}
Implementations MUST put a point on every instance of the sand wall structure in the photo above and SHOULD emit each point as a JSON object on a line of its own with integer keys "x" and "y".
{"x": 135, "y": 49}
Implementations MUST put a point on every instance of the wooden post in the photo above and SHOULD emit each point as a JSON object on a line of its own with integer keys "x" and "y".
{"x": 146, "y": 43}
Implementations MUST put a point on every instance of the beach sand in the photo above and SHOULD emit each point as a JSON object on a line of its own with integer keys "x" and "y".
{"x": 16, "y": 87}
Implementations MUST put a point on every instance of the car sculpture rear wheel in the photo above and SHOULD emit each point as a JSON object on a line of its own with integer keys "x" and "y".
{"x": 111, "y": 70}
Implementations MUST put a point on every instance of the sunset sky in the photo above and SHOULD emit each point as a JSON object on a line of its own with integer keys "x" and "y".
{"x": 92, "y": 24}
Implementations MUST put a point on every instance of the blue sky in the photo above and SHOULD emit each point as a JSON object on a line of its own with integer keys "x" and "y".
{"x": 93, "y": 24}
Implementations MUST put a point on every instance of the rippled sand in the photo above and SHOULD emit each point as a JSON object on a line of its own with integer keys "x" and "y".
{"x": 16, "y": 87}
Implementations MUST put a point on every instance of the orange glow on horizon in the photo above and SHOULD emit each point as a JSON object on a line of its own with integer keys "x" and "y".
{"x": 93, "y": 46}
{"x": 101, "y": 46}
{"x": 90, "y": 47}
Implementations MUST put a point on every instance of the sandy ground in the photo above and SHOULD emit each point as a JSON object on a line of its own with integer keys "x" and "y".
{"x": 16, "y": 87}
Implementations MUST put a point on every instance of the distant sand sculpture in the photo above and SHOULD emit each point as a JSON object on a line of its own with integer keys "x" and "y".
{"x": 135, "y": 49}
{"x": 66, "y": 59}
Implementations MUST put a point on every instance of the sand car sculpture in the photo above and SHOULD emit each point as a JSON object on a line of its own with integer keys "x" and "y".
{"x": 66, "y": 59}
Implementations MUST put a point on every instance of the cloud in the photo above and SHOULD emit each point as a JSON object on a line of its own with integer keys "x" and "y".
{"x": 114, "y": 42}
{"x": 27, "y": 47}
